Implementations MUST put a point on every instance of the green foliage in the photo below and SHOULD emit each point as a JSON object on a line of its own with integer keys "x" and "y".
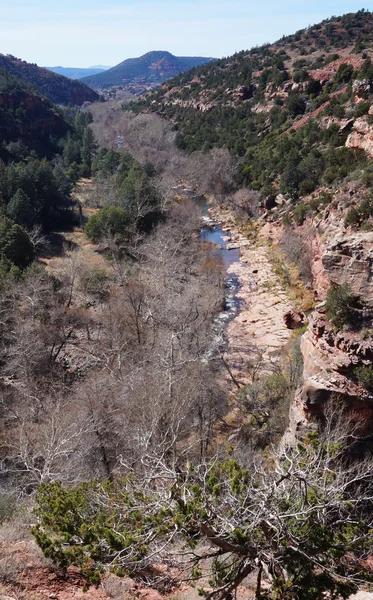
{"x": 79, "y": 146}
{"x": 133, "y": 187}
{"x": 361, "y": 109}
{"x": 359, "y": 216}
{"x": 89, "y": 148}
{"x": 16, "y": 249}
{"x": 300, "y": 212}
{"x": 364, "y": 375}
{"x": 35, "y": 193}
{"x": 342, "y": 306}
{"x": 344, "y": 73}
{"x": 265, "y": 516}
{"x": 352, "y": 218}
{"x": 20, "y": 209}
{"x": 8, "y": 507}
{"x": 110, "y": 221}
{"x": 296, "y": 105}
{"x": 79, "y": 527}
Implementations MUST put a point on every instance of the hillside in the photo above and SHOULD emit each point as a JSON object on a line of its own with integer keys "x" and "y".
{"x": 149, "y": 69}
{"x": 75, "y": 72}
{"x": 279, "y": 106}
{"x": 56, "y": 88}
{"x": 27, "y": 121}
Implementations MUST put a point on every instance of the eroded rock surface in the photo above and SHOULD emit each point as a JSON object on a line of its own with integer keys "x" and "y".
{"x": 330, "y": 359}
{"x": 361, "y": 137}
{"x": 350, "y": 259}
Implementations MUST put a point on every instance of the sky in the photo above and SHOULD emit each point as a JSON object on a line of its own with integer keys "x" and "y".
{"x": 82, "y": 33}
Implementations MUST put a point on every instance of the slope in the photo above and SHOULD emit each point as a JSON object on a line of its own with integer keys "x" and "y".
{"x": 284, "y": 111}
{"x": 151, "y": 68}
{"x": 56, "y": 88}
{"x": 27, "y": 121}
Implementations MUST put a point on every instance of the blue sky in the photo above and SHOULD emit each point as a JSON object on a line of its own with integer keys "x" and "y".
{"x": 81, "y": 33}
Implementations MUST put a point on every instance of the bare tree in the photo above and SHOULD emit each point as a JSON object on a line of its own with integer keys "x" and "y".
{"x": 301, "y": 520}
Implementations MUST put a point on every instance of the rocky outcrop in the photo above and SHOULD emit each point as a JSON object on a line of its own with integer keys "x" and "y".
{"x": 361, "y": 137}
{"x": 342, "y": 124}
{"x": 361, "y": 87}
{"x": 200, "y": 105}
{"x": 330, "y": 360}
{"x": 350, "y": 259}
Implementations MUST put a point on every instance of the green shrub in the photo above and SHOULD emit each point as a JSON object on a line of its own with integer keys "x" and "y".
{"x": 361, "y": 109}
{"x": 299, "y": 214}
{"x": 7, "y": 508}
{"x": 364, "y": 375}
{"x": 344, "y": 73}
{"x": 342, "y": 306}
{"x": 109, "y": 221}
{"x": 352, "y": 218}
{"x": 306, "y": 187}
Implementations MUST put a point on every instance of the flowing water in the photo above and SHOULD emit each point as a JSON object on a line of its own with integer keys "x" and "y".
{"x": 213, "y": 233}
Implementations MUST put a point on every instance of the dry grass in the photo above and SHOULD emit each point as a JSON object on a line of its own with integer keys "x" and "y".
{"x": 288, "y": 274}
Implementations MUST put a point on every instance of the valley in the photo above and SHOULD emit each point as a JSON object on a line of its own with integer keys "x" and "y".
{"x": 186, "y": 332}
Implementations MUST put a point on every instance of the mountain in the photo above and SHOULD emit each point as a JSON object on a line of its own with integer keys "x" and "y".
{"x": 284, "y": 111}
{"x": 28, "y": 121}
{"x": 151, "y": 68}
{"x": 56, "y": 88}
{"x": 76, "y": 73}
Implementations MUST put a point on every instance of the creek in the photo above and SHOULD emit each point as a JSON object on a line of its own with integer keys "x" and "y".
{"x": 212, "y": 232}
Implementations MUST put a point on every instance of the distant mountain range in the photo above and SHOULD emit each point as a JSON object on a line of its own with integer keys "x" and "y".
{"x": 150, "y": 69}
{"x": 76, "y": 72}
{"x": 57, "y": 88}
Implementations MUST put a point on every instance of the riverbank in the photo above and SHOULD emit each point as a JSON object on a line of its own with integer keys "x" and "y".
{"x": 257, "y": 335}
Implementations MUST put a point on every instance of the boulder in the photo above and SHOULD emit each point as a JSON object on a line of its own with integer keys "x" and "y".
{"x": 360, "y": 87}
{"x": 269, "y": 202}
{"x": 280, "y": 199}
{"x": 293, "y": 319}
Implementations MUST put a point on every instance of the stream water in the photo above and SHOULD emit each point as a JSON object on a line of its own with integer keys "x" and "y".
{"x": 212, "y": 232}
